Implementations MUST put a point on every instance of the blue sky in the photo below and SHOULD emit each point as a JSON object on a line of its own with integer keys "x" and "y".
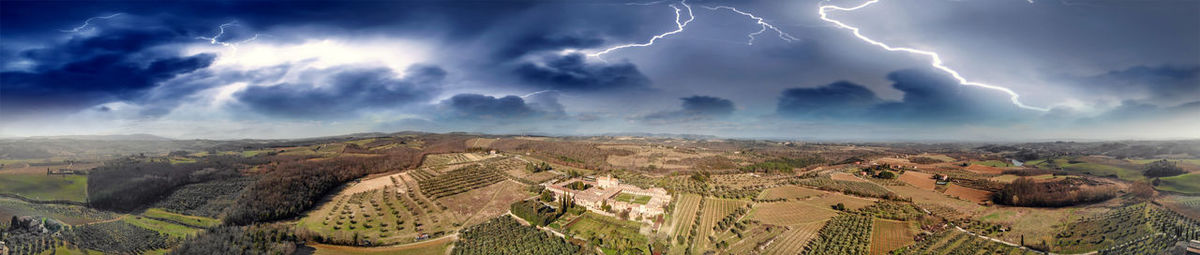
{"x": 237, "y": 69}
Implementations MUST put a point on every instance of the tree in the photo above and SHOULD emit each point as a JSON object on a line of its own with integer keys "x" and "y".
{"x": 1163, "y": 168}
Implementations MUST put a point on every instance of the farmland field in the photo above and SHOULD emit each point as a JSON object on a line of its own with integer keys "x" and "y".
{"x": 70, "y": 214}
{"x": 434, "y": 247}
{"x": 919, "y": 179}
{"x": 788, "y": 192}
{"x": 968, "y": 194}
{"x": 683, "y": 217}
{"x": 794, "y": 240}
{"x": 844, "y": 234}
{"x": 889, "y": 235}
{"x": 163, "y": 227}
{"x": 791, "y": 213}
{"x": 197, "y": 221}
{"x": 714, "y": 210}
{"x": 1187, "y": 184}
{"x": 45, "y": 187}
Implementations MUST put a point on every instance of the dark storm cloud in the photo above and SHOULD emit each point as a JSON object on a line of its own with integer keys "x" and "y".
{"x": 695, "y": 108}
{"x": 834, "y": 100}
{"x": 573, "y": 73}
{"x": 476, "y": 107}
{"x": 33, "y": 15}
{"x": 1164, "y": 85}
{"x": 928, "y": 98}
{"x": 344, "y": 94}
{"x": 84, "y": 71}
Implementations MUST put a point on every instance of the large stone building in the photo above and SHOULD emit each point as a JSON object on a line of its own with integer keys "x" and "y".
{"x": 606, "y": 190}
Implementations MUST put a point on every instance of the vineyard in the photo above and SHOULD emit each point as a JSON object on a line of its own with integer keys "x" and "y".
{"x": 791, "y": 213}
{"x": 844, "y": 234}
{"x": 504, "y": 235}
{"x": 458, "y": 181}
{"x": 889, "y": 235}
{"x": 865, "y": 189}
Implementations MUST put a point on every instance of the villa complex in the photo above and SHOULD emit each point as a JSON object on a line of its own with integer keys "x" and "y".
{"x": 641, "y": 203}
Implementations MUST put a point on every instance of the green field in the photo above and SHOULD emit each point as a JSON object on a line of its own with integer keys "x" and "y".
{"x": 992, "y": 163}
{"x": 171, "y": 229}
{"x": 1104, "y": 170}
{"x": 614, "y": 232}
{"x": 1096, "y": 169}
{"x": 197, "y": 221}
{"x": 45, "y": 187}
{"x": 631, "y": 198}
{"x": 1188, "y": 183}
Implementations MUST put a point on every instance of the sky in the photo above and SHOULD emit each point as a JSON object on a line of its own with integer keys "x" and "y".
{"x": 945, "y": 70}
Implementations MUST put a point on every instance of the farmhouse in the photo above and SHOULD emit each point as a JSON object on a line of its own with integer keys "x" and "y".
{"x": 606, "y": 190}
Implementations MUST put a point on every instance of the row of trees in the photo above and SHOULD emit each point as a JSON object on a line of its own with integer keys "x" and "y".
{"x": 784, "y": 165}
{"x": 262, "y": 239}
{"x": 1028, "y": 192}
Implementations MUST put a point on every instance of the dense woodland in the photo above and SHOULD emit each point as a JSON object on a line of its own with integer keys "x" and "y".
{"x": 286, "y": 189}
{"x": 132, "y": 182}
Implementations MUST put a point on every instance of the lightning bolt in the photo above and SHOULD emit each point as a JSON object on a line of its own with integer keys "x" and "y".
{"x": 679, "y": 24}
{"x": 782, "y": 35}
{"x": 215, "y": 39}
{"x": 935, "y": 60}
{"x": 88, "y": 22}
{"x": 539, "y": 92}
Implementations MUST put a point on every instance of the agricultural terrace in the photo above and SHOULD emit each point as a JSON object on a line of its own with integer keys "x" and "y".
{"x": 392, "y": 214}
